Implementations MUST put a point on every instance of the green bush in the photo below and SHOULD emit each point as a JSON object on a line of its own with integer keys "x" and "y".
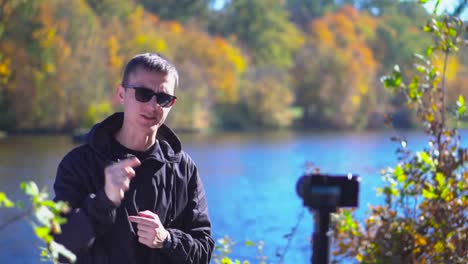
{"x": 424, "y": 217}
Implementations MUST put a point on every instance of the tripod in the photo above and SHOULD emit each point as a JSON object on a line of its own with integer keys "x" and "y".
{"x": 323, "y": 194}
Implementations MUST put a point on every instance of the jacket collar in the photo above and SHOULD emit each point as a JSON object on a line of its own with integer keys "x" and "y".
{"x": 168, "y": 149}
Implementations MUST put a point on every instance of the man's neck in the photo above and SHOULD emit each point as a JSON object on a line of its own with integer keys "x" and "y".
{"x": 135, "y": 140}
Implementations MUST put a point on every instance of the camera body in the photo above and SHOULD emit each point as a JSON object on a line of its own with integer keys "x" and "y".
{"x": 320, "y": 191}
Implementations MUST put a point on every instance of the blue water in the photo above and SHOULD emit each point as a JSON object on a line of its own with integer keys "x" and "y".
{"x": 250, "y": 180}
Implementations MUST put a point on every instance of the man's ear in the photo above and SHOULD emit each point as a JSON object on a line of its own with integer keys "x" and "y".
{"x": 121, "y": 93}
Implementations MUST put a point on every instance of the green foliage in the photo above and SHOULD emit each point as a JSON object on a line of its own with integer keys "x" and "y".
{"x": 424, "y": 215}
{"x": 264, "y": 27}
{"x": 261, "y": 94}
{"x": 180, "y": 10}
{"x": 5, "y": 202}
{"x": 47, "y": 220}
{"x": 224, "y": 247}
{"x": 96, "y": 113}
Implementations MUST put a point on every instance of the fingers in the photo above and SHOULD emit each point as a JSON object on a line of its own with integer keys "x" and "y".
{"x": 118, "y": 177}
{"x": 144, "y": 221}
{"x": 148, "y": 214}
{"x": 150, "y": 230}
{"x": 145, "y": 235}
{"x": 129, "y": 171}
{"x": 148, "y": 242}
{"x": 130, "y": 162}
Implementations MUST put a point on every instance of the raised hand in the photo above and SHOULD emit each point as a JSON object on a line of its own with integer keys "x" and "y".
{"x": 118, "y": 177}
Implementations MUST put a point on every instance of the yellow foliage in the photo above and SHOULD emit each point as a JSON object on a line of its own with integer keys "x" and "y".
{"x": 359, "y": 257}
{"x": 355, "y": 100}
{"x": 175, "y": 27}
{"x": 115, "y": 60}
{"x": 5, "y": 67}
{"x": 233, "y": 54}
{"x": 439, "y": 247}
{"x": 322, "y": 34}
{"x": 420, "y": 240}
{"x": 49, "y": 67}
{"x": 343, "y": 63}
{"x": 453, "y": 66}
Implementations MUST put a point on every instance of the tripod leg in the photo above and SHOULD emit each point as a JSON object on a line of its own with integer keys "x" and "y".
{"x": 321, "y": 240}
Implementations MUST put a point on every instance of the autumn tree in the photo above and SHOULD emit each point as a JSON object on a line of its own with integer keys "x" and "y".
{"x": 335, "y": 71}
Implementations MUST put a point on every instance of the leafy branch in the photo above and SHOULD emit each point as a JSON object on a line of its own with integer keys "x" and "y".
{"x": 47, "y": 220}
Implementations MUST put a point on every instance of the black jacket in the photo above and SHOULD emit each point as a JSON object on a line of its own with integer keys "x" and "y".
{"x": 167, "y": 183}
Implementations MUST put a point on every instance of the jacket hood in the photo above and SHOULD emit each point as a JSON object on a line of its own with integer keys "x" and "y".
{"x": 99, "y": 139}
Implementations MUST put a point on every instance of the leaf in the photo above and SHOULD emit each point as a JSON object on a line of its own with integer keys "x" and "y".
{"x": 226, "y": 260}
{"x": 30, "y": 188}
{"x": 420, "y": 240}
{"x": 428, "y": 194}
{"x": 429, "y": 51}
{"x": 440, "y": 179}
{"x": 445, "y": 194}
{"x": 5, "y": 201}
{"x": 399, "y": 174}
{"x": 249, "y": 243}
{"x": 452, "y": 32}
{"x": 59, "y": 248}
{"x": 44, "y": 215}
{"x": 439, "y": 247}
{"x": 436, "y": 7}
{"x": 42, "y": 232}
{"x": 420, "y": 57}
{"x": 461, "y": 106}
{"x": 426, "y": 158}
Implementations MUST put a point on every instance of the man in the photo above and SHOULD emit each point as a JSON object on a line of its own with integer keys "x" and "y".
{"x": 136, "y": 196}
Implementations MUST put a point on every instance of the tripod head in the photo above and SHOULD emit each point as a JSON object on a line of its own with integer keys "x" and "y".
{"x": 323, "y": 194}
{"x": 320, "y": 191}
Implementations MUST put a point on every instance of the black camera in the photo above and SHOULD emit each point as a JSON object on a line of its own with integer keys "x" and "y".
{"x": 329, "y": 191}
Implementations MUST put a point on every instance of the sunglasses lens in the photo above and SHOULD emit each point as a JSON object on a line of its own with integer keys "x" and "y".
{"x": 143, "y": 95}
{"x": 164, "y": 100}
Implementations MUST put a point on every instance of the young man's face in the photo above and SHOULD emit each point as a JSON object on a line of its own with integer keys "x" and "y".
{"x": 146, "y": 116}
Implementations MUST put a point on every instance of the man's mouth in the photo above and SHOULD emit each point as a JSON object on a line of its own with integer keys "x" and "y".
{"x": 148, "y": 117}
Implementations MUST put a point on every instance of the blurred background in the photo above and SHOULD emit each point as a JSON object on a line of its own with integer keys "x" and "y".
{"x": 267, "y": 88}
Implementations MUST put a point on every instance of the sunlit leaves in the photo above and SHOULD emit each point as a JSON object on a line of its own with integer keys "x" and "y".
{"x": 30, "y": 188}
{"x": 4, "y": 201}
{"x": 47, "y": 220}
{"x": 427, "y": 190}
{"x": 224, "y": 247}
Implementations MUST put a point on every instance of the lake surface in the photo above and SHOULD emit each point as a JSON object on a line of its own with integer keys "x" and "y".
{"x": 250, "y": 180}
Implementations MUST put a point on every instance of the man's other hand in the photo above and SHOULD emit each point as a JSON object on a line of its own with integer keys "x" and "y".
{"x": 150, "y": 230}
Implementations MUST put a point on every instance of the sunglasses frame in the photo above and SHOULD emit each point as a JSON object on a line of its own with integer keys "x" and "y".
{"x": 169, "y": 103}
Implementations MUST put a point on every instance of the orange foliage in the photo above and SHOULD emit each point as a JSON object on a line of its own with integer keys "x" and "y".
{"x": 342, "y": 39}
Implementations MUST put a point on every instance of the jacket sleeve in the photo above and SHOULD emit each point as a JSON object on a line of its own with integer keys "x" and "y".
{"x": 192, "y": 244}
{"x": 91, "y": 213}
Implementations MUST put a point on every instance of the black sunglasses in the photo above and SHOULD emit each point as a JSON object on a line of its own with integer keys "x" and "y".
{"x": 144, "y": 95}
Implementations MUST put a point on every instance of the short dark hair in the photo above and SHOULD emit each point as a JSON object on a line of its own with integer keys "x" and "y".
{"x": 150, "y": 62}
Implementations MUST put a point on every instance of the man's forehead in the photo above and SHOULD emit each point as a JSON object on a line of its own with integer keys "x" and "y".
{"x": 151, "y": 76}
